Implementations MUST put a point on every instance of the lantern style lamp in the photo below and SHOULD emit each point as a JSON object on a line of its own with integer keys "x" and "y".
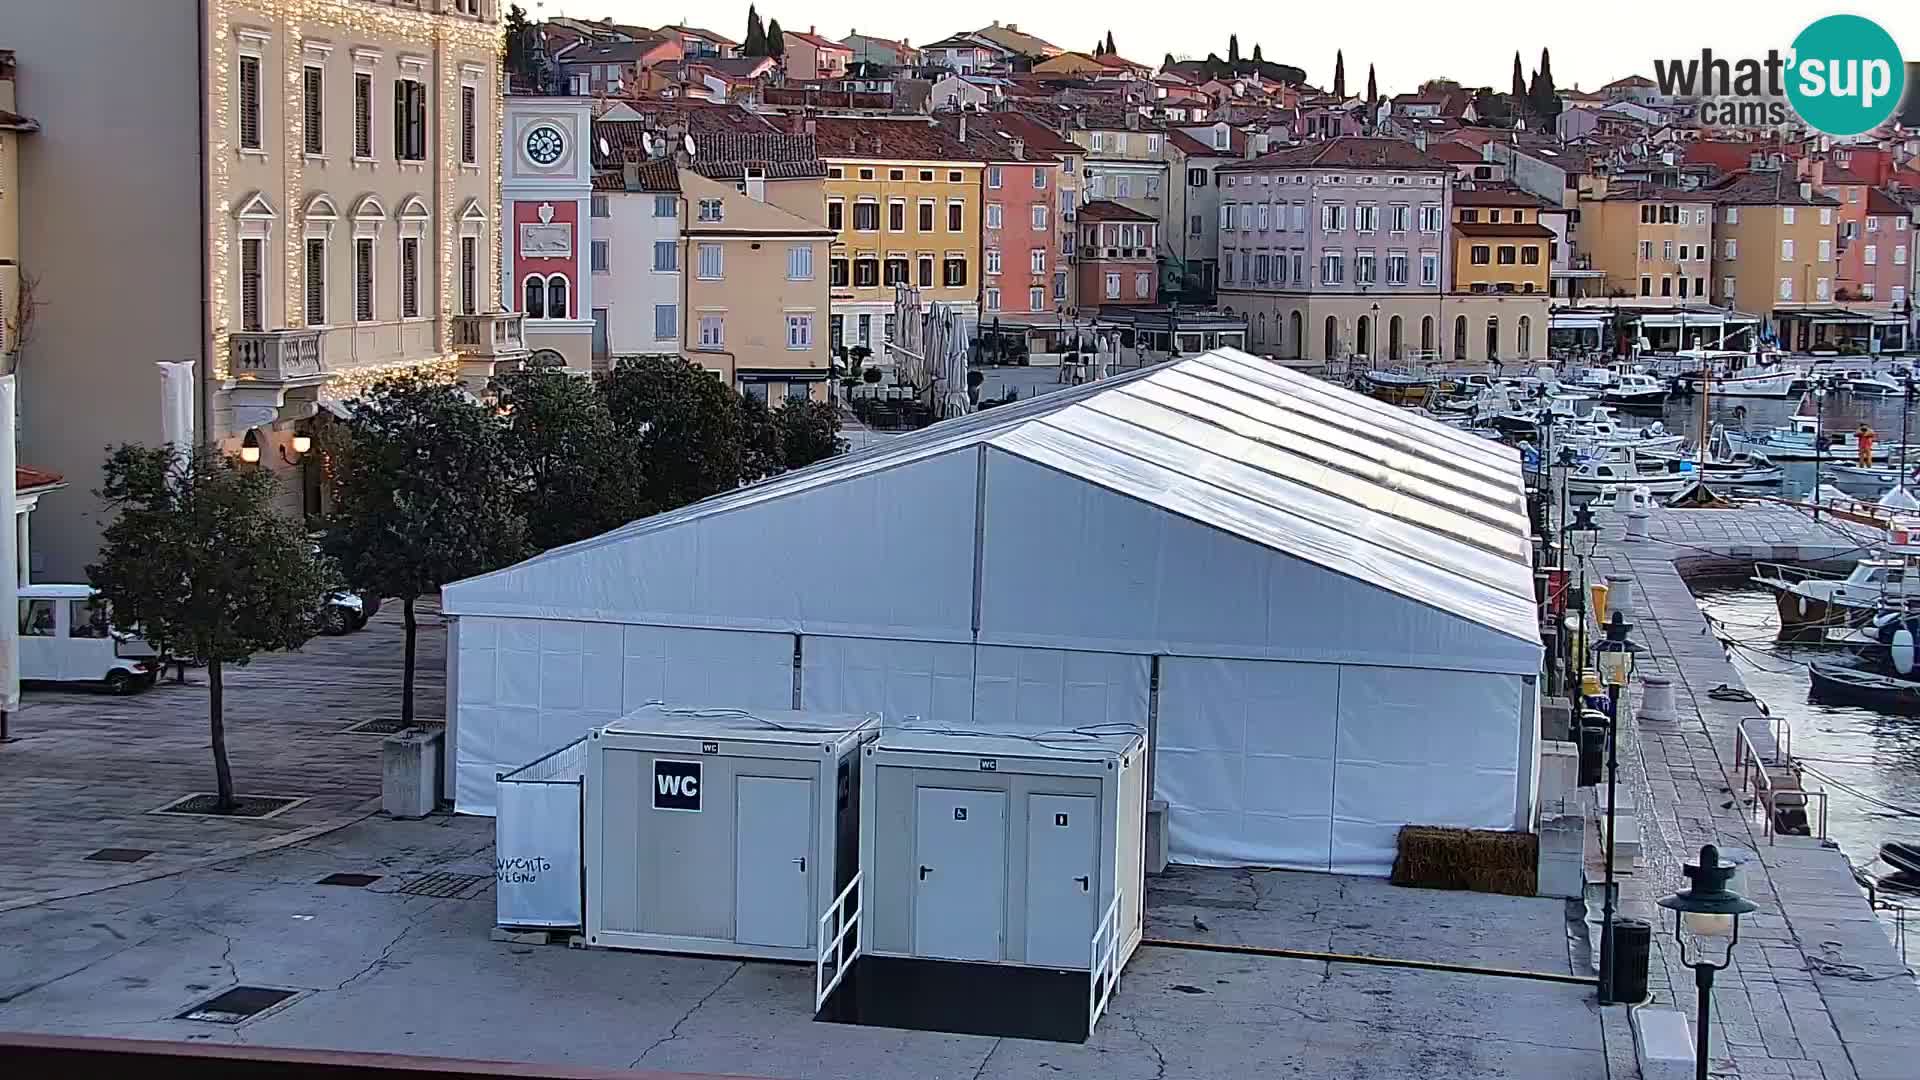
{"x": 1707, "y": 911}
{"x": 1614, "y": 658}
{"x": 302, "y": 442}
{"x": 250, "y": 447}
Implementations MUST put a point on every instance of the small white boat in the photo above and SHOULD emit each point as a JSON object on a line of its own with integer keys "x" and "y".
{"x": 1795, "y": 441}
{"x": 1632, "y": 390}
{"x": 1871, "y": 474}
{"x": 1603, "y": 478}
{"x": 1873, "y": 386}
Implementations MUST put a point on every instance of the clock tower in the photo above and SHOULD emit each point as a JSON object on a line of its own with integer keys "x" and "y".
{"x": 546, "y": 189}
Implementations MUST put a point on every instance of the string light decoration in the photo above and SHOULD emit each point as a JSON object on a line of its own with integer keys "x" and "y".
{"x": 348, "y": 385}
{"x": 454, "y": 39}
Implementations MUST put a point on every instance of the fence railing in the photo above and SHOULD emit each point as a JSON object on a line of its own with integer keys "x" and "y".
{"x": 840, "y": 921}
{"x": 1100, "y": 968}
{"x": 1755, "y": 775}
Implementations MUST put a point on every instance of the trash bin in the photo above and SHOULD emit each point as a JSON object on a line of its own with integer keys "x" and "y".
{"x": 1593, "y": 748}
{"x": 1632, "y": 950}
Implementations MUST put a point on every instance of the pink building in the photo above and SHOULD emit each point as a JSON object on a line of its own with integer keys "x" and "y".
{"x": 1020, "y": 226}
{"x": 1873, "y": 237}
{"x": 810, "y": 56}
{"x": 1116, "y": 256}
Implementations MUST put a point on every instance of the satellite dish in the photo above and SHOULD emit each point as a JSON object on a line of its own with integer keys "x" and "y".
{"x": 646, "y": 142}
{"x": 687, "y": 141}
{"x": 605, "y": 150}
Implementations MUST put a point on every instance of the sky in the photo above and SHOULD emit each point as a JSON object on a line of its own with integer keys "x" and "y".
{"x": 1408, "y": 41}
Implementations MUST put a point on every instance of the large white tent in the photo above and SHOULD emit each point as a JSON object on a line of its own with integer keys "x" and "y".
{"x": 1319, "y": 606}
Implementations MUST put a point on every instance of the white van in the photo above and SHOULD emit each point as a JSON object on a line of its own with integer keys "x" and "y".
{"x": 65, "y": 636}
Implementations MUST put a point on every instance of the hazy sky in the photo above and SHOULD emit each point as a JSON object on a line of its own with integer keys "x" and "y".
{"x": 1408, "y": 40}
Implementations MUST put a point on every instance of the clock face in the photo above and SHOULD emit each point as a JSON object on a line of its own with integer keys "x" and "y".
{"x": 544, "y": 145}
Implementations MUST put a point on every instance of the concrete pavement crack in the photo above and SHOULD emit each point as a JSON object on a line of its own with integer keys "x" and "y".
{"x": 1160, "y": 1059}
{"x": 7, "y": 999}
{"x": 226, "y": 955}
{"x": 674, "y": 1031}
{"x": 977, "y": 1073}
{"x": 378, "y": 961}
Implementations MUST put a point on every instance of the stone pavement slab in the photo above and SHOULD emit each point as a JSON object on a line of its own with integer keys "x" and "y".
{"x": 381, "y": 970}
{"x": 83, "y": 770}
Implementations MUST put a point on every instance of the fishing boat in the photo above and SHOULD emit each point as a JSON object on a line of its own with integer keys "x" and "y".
{"x": 1632, "y": 390}
{"x": 1836, "y": 684}
{"x": 1902, "y": 857}
{"x": 1795, "y": 441}
{"x": 1810, "y": 601}
{"x": 1396, "y": 387}
{"x": 1599, "y": 430}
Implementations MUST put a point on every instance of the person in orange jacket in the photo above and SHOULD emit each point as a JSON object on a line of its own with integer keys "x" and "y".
{"x": 1866, "y": 446}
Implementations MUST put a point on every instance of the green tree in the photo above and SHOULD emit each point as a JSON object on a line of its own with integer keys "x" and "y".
{"x": 199, "y": 560}
{"x": 1519, "y": 91}
{"x": 685, "y": 422}
{"x": 1339, "y": 74}
{"x": 1256, "y": 54}
{"x": 1233, "y": 48}
{"x": 776, "y": 40}
{"x": 761, "y": 454}
{"x": 1167, "y": 62}
{"x": 1545, "y": 98}
{"x": 430, "y": 496}
{"x": 578, "y": 477}
{"x": 1373, "y": 92}
{"x": 756, "y": 43}
{"x": 1111, "y": 51}
{"x": 520, "y": 41}
{"x": 809, "y": 432}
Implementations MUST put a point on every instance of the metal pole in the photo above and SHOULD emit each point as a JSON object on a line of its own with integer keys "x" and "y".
{"x": 1703, "y": 988}
{"x": 1906, "y": 407}
{"x": 1819, "y": 441}
{"x": 1606, "y": 914}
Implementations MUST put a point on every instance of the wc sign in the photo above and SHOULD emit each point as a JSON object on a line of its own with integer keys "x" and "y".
{"x": 676, "y": 785}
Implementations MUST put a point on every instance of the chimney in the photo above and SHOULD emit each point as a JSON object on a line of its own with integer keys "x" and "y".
{"x": 810, "y": 126}
{"x": 1013, "y": 26}
{"x": 1133, "y": 120}
{"x": 1420, "y": 139}
{"x": 1806, "y": 190}
{"x": 630, "y": 175}
{"x": 963, "y": 120}
{"x": 1019, "y": 148}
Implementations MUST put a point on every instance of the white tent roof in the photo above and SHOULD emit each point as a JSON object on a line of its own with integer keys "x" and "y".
{"x": 1370, "y": 492}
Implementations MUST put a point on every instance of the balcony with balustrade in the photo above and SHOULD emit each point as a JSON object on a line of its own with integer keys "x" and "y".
{"x": 490, "y": 344}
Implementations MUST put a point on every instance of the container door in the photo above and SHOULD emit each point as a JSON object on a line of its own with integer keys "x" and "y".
{"x": 1063, "y": 875}
{"x": 773, "y": 861}
{"x": 960, "y": 886}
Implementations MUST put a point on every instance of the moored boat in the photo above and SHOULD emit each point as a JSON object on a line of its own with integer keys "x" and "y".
{"x": 1836, "y": 684}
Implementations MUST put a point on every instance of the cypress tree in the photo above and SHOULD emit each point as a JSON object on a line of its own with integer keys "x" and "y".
{"x": 1233, "y": 48}
{"x": 756, "y": 43}
{"x": 1111, "y": 51}
{"x": 1519, "y": 91}
{"x": 1373, "y": 89}
{"x": 1546, "y": 99}
{"x": 776, "y": 40}
{"x": 1339, "y": 75}
{"x": 1256, "y": 53}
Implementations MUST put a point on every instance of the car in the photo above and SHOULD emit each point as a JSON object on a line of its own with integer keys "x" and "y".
{"x": 66, "y": 635}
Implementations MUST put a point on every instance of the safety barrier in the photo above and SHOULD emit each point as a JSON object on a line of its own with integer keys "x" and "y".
{"x": 1752, "y": 768}
{"x": 841, "y": 918}
{"x": 1100, "y": 973}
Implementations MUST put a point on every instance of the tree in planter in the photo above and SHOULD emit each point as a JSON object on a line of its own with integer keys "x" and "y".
{"x": 809, "y": 432}
{"x": 580, "y": 478}
{"x": 199, "y": 560}
{"x": 430, "y": 495}
{"x": 761, "y": 452}
{"x": 871, "y": 375}
{"x": 685, "y": 422}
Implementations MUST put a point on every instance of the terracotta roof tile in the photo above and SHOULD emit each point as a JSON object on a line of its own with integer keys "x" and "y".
{"x": 1767, "y": 188}
{"x": 26, "y": 477}
{"x": 1502, "y": 228}
{"x": 1880, "y": 204}
{"x": 1349, "y": 152}
{"x": 1456, "y": 153}
{"x": 726, "y": 156}
{"x": 1498, "y": 195}
{"x": 655, "y": 176}
{"x": 815, "y": 40}
{"x": 889, "y": 139}
{"x": 11, "y": 121}
{"x": 1108, "y": 210}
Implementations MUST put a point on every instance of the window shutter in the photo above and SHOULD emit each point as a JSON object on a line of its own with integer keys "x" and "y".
{"x": 399, "y": 120}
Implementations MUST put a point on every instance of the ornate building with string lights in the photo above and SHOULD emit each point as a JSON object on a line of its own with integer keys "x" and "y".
{"x": 301, "y": 196}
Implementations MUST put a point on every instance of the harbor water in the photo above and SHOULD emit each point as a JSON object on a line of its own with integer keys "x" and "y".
{"x": 1839, "y": 412}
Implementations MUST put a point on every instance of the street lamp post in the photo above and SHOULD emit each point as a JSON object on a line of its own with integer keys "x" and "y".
{"x": 1708, "y": 909}
{"x": 1615, "y": 660}
{"x": 1582, "y": 529}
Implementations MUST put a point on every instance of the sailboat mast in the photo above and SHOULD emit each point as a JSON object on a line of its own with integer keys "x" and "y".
{"x": 1906, "y": 407}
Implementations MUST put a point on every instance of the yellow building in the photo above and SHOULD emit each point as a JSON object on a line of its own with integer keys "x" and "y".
{"x": 1654, "y": 244}
{"x": 755, "y": 259}
{"x": 903, "y": 200}
{"x": 12, "y": 127}
{"x": 1070, "y": 63}
{"x": 1773, "y": 251}
{"x": 1499, "y": 243}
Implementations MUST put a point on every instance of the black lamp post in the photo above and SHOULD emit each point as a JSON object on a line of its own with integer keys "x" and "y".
{"x": 1615, "y": 660}
{"x": 1706, "y": 909}
{"x": 1583, "y": 530}
{"x": 1819, "y": 443}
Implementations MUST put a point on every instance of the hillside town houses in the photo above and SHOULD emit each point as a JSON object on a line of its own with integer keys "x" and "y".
{"x": 436, "y": 193}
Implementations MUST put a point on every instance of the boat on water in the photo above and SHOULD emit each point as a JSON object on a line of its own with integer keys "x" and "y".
{"x": 1600, "y": 430}
{"x": 1810, "y": 601}
{"x": 1837, "y": 684}
{"x": 1873, "y": 386}
{"x": 1396, "y": 387}
{"x": 1596, "y": 477}
{"x": 1633, "y": 390}
{"x": 1720, "y": 465}
{"x": 1902, "y": 857}
{"x": 1796, "y": 440}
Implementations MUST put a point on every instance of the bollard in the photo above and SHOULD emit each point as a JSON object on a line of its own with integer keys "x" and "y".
{"x": 1656, "y": 698}
{"x": 1620, "y": 593}
{"x": 1637, "y": 524}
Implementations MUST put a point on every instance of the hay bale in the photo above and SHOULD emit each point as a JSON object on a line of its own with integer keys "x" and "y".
{"x": 1476, "y": 860}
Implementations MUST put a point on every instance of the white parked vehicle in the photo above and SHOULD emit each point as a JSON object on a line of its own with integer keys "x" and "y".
{"x": 66, "y": 636}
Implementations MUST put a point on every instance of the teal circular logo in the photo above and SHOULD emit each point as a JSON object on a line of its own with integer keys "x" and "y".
{"x": 1846, "y": 76}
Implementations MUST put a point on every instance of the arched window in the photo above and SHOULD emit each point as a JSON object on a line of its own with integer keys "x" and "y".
{"x": 1493, "y": 337}
{"x": 1363, "y": 338}
{"x": 1333, "y": 339}
{"x": 1296, "y": 335}
{"x": 536, "y": 305}
{"x": 1260, "y": 329}
{"x": 1426, "y": 334}
{"x": 1393, "y": 338}
{"x": 1460, "y": 338}
{"x": 1526, "y": 337}
{"x": 557, "y": 296}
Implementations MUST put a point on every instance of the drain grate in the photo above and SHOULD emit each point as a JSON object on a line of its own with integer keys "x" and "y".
{"x": 203, "y": 804}
{"x": 119, "y": 854}
{"x": 238, "y": 1004}
{"x": 351, "y": 881}
{"x": 387, "y": 725}
{"x": 448, "y": 886}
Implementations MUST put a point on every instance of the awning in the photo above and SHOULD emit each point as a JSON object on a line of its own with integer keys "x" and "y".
{"x": 1578, "y": 320}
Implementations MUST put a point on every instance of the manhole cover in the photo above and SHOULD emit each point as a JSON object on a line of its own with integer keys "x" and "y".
{"x": 351, "y": 881}
{"x": 237, "y": 1004}
{"x": 387, "y": 725}
{"x": 119, "y": 854}
{"x": 448, "y": 886}
{"x": 203, "y": 804}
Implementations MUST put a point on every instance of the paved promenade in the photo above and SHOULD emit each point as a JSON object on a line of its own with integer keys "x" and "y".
{"x": 83, "y": 770}
{"x": 1816, "y": 989}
